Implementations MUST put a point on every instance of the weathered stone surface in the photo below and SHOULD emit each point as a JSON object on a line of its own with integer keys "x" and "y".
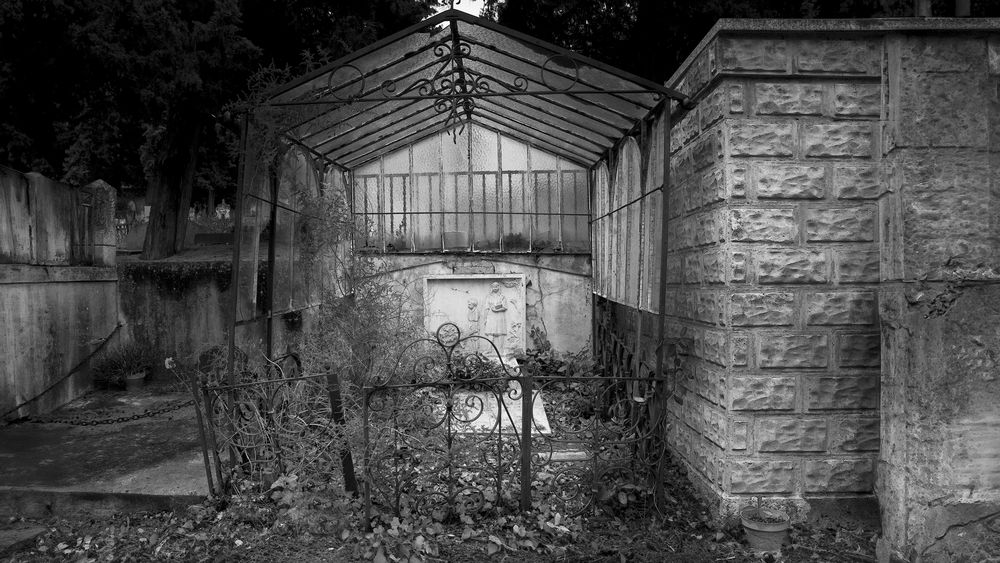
{"x": 755, "y": 137}
{"x": 843, "y": 392}
{"x": 713, "y": 267}
{"x": 739, "y": 434}
{"x": 710, "y": 383}
{"x": 684, "y": 130}
{"x": 708, "y": 307}
{"x": 839, "y": 475}
{"x": 762, "y": 476}
{"x": 843, "y": 56}
{"x": 692, "y": 268}
{"x": 791, "y": 265}
{"x": 787, "y": 98}
{"x": 763, "y": 309}
{"x": 927, "y": 53}
{"x": 841, "y": 224}
{"x": 718, "y": 104}
{"x": 790, "y": 181}
{"x": 934, "y": 112}
{"x": 736, "y": 180}
{"x": 753, "y": 54}
{"x": 944, "y": 231}
{"x": 856, "y": 182}
{"x": 739, "y": 267}
{"x": 791, "y": 435}
{"x": 712, "y": 187}
{"x": 841, "y": 308}
{"x": 793, "y": 351}
{"x": 842, "y": 139}
{"x": 856, "y": 435}
{"x": 741, "y": 345}
{"x": 762, "y": 225}
{"x": 714, "y": 346}
{"x": 762, "y": 393}
{"x": 736, "y": 98}
{"x": 857, "y": 99}
{"x": 859, "y": 350}
{"x": 707, "y": 149}
{"x": 857, "y": 265}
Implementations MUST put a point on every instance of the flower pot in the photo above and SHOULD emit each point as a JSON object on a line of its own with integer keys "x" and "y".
{"x": 764, "y": 534}
{"x": 135, "y": 380}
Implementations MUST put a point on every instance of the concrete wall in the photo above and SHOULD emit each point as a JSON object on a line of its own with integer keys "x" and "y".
{"x": 833, "y": 252}
{"x": 181, "y": 306}
{"x": 939, "y": 476}
{"x": 558, "y": 292}
{"x": 57, "y": 288}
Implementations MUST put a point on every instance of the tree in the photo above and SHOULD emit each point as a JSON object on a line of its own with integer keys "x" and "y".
{"x": 652, "y": 38}
{"x": 132, "y": 91}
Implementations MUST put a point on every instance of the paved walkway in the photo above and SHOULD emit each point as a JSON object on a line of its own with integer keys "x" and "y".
{"x": 44, "y": 464}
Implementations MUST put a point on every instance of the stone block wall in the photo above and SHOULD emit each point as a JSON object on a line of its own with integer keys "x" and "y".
{"x": 834, "y": 259}
{"x": 773, "y": 245}
{"x": 939, "y": 472}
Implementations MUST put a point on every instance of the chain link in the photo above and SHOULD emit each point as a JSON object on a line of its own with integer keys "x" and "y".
{"x": 78, "y": 421}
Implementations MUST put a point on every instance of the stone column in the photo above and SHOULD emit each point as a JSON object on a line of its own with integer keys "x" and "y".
{"x": 775, "y": 268}
{"x": 939, "y": 467}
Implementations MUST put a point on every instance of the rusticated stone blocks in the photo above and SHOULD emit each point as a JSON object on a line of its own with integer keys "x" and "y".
{"x": 791, "y": 434}
{"x": 793, "y": 351}
{"x": 859, "y": 350}
{"x": 749, "y": 477}
{"x": 841, "y": 308}
{"x": 845, "y": 140}
{"x": 856, "y": 182}
{"x": 857, "y": 99}
{"x": 778, "y": 192}
{"x": 763, "y": 225}
{"x": 842, "y": 224}
{"x": 763, "y": 309}
{"x": 839, "y": 475}
{"x": 762, "y": 393}
{"x": 792, "y": 265}
{"x": 789, "y": 98}
{"x": 751, "y": 137}
{"x": 856, "y": 435}
{"x": 843, "y": 392}
{"x": 843, "y": 56}
{"x": 790, "y": 181}
{"x": 753, "y": 54}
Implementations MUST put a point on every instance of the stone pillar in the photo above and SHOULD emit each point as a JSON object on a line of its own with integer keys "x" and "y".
{"x": 939, "y": 467}
{"x": 774, "y": 270}
{"x": 833, "y": 169}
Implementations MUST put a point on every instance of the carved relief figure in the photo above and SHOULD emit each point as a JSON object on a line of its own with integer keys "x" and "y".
{"x": 472, "y": 323}
{"x": 496, "y": 317}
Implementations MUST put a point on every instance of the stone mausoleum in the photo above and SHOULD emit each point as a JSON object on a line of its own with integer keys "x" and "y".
{"x": 833, "y": 251}
{"x": 805, "y": 218}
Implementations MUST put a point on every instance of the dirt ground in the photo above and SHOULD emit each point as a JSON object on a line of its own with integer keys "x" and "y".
{"x": 280, "y": 526}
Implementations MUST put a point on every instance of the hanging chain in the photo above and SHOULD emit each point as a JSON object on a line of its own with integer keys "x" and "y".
{"x": 80, "y": 421}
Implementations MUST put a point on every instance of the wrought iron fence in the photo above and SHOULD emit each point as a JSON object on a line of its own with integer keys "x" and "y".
{"x": 456, "y": 429}
{"x": 269, "y": 426}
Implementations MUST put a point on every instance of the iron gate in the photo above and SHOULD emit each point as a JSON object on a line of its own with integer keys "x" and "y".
{"x": 456, "y": 430}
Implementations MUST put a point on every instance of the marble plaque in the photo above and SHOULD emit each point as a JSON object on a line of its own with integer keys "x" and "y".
{"x": 488, "y": 305}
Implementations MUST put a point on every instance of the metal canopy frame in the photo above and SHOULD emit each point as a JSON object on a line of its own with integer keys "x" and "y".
{"x": 442, "y": 74}
{"x": 454, "y": 69}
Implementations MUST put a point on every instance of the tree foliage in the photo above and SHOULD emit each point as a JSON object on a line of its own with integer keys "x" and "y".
{"x": 131, "y": 91}
{"x": 652, "y": 38}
